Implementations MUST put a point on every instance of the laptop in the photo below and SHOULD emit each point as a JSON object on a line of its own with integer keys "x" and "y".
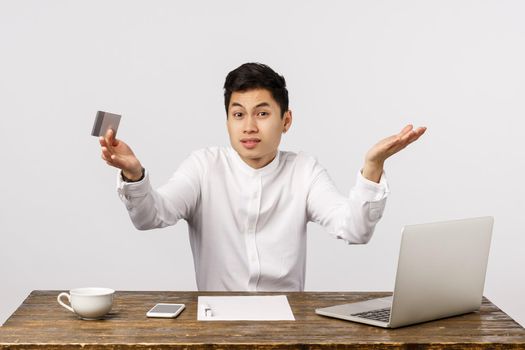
{"x": 440, "y": 273}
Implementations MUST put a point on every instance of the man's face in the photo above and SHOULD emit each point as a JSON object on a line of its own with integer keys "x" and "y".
{"x": 255, "y": 126}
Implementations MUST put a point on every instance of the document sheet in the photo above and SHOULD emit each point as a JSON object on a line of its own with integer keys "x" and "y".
{"x": 250, "y": 308}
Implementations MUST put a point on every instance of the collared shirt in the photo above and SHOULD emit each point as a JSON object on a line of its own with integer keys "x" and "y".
{"x": 247, "y": 227}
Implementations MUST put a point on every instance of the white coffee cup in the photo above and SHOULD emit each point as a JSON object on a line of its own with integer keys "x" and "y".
{"x": 88, "y": 303}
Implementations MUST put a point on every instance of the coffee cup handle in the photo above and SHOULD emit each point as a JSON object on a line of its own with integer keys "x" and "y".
{"x": 63, "y": 294}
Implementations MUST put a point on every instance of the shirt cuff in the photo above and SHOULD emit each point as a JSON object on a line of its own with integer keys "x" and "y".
{"x": 372, "y": 191}
{"x": 130, "y": 190}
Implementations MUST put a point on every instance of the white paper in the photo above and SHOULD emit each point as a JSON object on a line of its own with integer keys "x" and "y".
{"x": 249, "y": 308}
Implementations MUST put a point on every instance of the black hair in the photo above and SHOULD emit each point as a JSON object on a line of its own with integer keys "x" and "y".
{"x": 255, "y": 76}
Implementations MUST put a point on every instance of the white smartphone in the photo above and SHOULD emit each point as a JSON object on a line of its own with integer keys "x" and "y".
{"x": 166, "y": 310}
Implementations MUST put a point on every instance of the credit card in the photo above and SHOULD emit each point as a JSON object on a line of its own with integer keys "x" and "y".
{"x": 105, "y": 121}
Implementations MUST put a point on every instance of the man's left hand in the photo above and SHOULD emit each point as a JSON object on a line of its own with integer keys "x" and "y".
{"x": 376, "y": 156}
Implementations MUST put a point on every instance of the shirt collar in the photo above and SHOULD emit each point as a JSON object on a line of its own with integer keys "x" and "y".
{"x": 267, "y": 169}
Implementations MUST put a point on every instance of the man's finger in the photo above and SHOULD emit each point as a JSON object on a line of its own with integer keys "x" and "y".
{"x": 106, "y": 152}
{"x": 406, "y": 129}
{"x": 112, "y": 160}
{"x": 400, "y": 143}
{"x": 416, "y": 133}
{"x": 108, "y": 139}
{"x": 415, "y": 136}
{"x": 102, "y": 141}
{"x": 103, "y": 156}
{"x": 112, "y": 138}
{"x": 116, "y": 161}
{"x": 407, "y": 136}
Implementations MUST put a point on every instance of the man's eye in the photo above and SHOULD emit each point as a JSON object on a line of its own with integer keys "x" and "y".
{"x": 237, "y": 115}
{"x": 263, "y": 114}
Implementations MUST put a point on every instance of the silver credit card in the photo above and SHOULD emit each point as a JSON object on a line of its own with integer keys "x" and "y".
{"x": 105, "y": 121}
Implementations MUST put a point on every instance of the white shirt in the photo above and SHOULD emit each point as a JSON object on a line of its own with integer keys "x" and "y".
{"x": 247, "y": 226}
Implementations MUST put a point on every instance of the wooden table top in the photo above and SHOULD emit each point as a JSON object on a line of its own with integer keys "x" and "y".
{"x": 40, "y": 322}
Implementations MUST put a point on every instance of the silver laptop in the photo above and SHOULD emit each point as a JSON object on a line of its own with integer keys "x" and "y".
{"x": 440, "y": 273}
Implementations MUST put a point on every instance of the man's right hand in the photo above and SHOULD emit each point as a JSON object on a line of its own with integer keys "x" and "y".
{"x": 118, "y": 154}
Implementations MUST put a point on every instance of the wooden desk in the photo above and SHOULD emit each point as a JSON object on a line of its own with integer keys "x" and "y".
{"x": 41, "y": 323}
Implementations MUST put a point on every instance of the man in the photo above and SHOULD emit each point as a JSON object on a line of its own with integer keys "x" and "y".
{"x": 247, "y": 206}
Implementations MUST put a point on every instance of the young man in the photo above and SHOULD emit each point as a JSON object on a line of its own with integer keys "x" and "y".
{"x": 247, "y": 205}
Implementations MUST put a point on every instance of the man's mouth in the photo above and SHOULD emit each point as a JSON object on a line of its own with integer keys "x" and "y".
{"x": 250, "y": 142}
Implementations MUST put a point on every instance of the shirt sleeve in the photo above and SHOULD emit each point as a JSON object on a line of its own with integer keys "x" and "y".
{"x": 177, "y": 199}
{"x": 351, "y": 218}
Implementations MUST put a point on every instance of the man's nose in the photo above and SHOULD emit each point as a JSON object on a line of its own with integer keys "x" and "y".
{"x": 250, "y": 125}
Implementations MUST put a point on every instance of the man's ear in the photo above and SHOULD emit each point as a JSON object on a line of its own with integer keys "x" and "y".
{"x": 287, "y": 118}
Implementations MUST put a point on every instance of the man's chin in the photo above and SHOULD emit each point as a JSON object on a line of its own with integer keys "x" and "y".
{"x": 250, "y": 154}
{"x": 246, "y": 152}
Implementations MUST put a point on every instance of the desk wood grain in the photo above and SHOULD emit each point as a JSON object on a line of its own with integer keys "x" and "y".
{"x": 40, "y": 323}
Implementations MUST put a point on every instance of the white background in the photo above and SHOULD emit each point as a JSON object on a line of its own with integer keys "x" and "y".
{"x": 357, "y": 71}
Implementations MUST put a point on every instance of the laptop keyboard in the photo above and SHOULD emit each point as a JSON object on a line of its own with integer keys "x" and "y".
{"x": 382, "y": 315}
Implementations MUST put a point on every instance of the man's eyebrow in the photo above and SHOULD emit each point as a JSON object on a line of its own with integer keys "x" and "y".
{"x": 234, "y": 104}
{"x": 262, "y": 104}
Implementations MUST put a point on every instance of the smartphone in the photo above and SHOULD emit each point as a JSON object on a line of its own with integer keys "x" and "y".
{"x": 166, "y": 310}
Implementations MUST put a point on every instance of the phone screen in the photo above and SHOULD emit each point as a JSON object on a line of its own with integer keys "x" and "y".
{"x": 166, "y": 308}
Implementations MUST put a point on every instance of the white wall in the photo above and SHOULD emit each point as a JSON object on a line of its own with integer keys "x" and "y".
{"x": 357, "y": 71}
